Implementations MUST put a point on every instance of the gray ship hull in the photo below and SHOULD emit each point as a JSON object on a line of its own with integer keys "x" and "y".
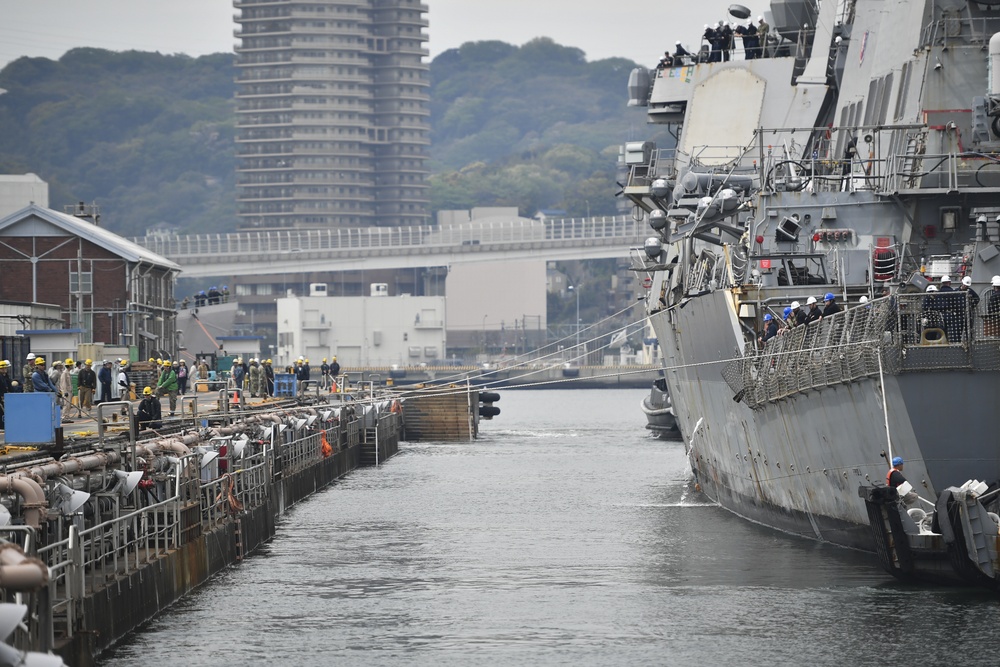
{"x": 795, "y": 464}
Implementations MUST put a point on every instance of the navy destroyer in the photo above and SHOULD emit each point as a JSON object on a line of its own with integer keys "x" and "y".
{"x": 849, "y": 157}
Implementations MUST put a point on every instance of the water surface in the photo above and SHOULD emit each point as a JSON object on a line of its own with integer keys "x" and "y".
{"x": 566, "y": 535}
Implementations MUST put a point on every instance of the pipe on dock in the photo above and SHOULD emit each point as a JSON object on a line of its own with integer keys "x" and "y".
{"x": 31, "y": 494}
{"x": 73, "y": 465}
{"x": 19, "y": 572}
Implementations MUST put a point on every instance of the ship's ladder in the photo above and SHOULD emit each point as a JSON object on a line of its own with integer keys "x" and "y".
{"x": 238, "y": 536}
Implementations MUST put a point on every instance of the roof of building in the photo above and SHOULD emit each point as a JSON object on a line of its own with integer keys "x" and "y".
{"x": 88, "y": 231}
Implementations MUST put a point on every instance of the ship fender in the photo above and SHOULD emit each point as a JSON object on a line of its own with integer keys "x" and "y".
{"x": 956, "y": 518}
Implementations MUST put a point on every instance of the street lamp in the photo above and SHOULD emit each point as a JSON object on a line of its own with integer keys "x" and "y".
{"x": 571, "y": 288}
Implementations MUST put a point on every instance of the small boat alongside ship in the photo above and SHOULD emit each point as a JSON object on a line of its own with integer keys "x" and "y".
{"x": 659, "y": 412}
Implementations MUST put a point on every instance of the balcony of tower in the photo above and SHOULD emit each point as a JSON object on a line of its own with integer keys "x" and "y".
{"x": 259, "y": 3}
{"x": 255, "y": 16}
{"x": 258, "y": 73}
{"x": 255, "y": 29}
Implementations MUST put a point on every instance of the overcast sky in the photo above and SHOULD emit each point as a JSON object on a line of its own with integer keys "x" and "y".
{"x": 630, "y": 29}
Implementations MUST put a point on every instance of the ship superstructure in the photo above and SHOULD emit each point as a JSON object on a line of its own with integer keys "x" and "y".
{"x": 857, "y": 159}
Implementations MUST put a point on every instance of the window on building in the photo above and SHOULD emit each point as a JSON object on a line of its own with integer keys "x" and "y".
{"x": 87, "y": 325}
{"x": 78, "y": 286}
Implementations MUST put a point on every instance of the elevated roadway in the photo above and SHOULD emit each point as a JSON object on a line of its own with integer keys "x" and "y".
{"x": 298, "y": 251}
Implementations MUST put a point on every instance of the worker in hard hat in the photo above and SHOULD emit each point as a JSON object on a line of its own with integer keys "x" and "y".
{"x": 324, "y": 374}
{"x": 895, "y": 478}
{"x": 238, "y": 373}
{"x": 813, "y": 314}
{"x": 86, "y": 382}
{"x": 334, "y": 368}
{"x": 149, "y": 414}
{"x": 167, "y": 385}
{"x": 40, "y": 378}
{"x": 65, "y": 387}
{"x": 770, "y": 329}
{"x": 830, "y": 305}
{"x": 253, "y": 377}
{"x": 302, "y": 375}
{"x": 121, "y": 388}
{"x": 26, "y": 371}
{"x": 966, "y": 301}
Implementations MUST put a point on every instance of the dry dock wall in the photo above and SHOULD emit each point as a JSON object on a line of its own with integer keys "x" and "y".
{"x": 122, "y": 605}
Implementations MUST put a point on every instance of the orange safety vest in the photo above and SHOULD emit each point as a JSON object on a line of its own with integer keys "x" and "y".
{"x": 888, "y": 476}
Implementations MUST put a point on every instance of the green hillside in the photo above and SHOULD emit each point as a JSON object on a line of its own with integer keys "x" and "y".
{"x": 149, "y": 137}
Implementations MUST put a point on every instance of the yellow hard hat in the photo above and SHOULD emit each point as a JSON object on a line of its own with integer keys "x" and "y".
{"x": 324, "y": 358}
{"x": 334, "y": 357}
{"x": 124, "y": 362}
{"x": 165, "y": 362}
{"x": 39, "y": 361}
{"x": 69, "y": 362}
{"x": 306, "y": 361}
{"x": 89, "y": 362}
{"x": 147, "y": 391}
{"x": 152, "y": 360}
{"x": 267, "y": 361}
{"x": 4, "y": 363}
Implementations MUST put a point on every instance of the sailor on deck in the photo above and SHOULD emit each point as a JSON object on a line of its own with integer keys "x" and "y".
{"x": 830, "y": 307}
{"x": 770, "y": 328}
{"x": 800, "y": 315}
{"x": 814, "y": 314}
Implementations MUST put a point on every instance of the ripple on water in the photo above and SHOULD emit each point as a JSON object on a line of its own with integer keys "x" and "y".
{"x": 565, "y": 536}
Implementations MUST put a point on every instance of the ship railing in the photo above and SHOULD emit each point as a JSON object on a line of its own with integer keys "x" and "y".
{"x": 949, "y": 330}
{"x": 838, "y": 349}
{"x": 967, "y": 30}
{"x": 834, "y": 159}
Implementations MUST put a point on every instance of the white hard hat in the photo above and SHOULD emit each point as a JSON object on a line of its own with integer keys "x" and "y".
{"x": 946, "y": 279}
{"x": 967, "y": 281}
{"x": 810, "y": 301}
{"x": 31, "y": 355}
{"x": 760, "y": 18}
{"x": 932, "y": 288}
{"x": 995, "y": 281}
{"x": 795, "y": 305}
{"x": 863, "y": 299}
{"x": 677, "y": 42}
{"x": 706, "y": 26}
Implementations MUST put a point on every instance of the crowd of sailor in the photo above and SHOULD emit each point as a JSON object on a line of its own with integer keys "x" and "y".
{"x": 718, "y": 43}
{"x": 944, "y": 307}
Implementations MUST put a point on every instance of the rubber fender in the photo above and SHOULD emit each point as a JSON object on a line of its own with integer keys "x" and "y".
{"x": 488, "y": 411}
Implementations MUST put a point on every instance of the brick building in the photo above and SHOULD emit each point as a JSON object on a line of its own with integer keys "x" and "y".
{"x": 115, "y": 291}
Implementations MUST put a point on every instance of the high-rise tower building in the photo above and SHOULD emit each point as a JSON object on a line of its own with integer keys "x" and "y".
{"x": 332, "y": 104}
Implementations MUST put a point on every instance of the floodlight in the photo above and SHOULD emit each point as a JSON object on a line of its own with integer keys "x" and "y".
{"x": 127, "y": 481}
{"x": 70, "y": 500}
